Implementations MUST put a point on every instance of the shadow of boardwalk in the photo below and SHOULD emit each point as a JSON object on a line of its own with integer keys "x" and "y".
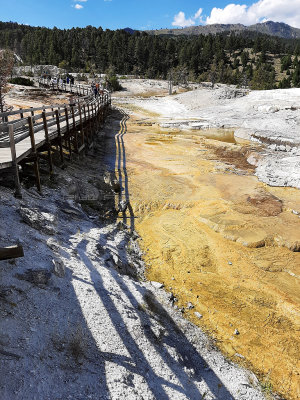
{"x": 107, "y": 336}
{"x": 139, "y": 352}
{"x": 57, "y": 356}
{"x": 116, "y": 161}
{"x": 139, "y": 360}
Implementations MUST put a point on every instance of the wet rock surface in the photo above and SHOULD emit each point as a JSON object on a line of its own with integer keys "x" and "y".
{"x": 214, "y": 234}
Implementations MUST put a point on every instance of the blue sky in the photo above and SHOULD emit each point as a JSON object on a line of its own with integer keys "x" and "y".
{"x": 147, "y": 14}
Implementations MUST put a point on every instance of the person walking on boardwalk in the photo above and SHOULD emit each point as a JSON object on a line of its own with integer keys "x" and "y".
{"x": 95, "y": 91}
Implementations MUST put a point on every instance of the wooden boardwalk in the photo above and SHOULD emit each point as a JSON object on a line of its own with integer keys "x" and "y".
{"x": 27, "y": 134}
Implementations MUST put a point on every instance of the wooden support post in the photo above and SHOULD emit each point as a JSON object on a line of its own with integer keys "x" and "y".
{"x": 74, "y": 129}
{"x": 21, "y": 114}
{"x": 48, "y": 144}
{"x": 100, "y": 114}
{"x": 92, "y": 121}
{"x": 7, "y": 253}
{"x": 18, "y": 192}
{"x": 90, "y": 124}
{"x": 85, "y": 124}
{"x": 59, "y": 137}
{"x": 95, "y": 118}
{"x": 68, "y": 133}
{"x": 81, "y": 124}
{"x": 34, "y": 154}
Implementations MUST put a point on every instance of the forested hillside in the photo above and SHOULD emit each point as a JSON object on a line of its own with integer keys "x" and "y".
{"x": 248, "y": 59}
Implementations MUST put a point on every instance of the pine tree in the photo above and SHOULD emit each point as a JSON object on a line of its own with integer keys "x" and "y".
{"x": 296, "y": 77}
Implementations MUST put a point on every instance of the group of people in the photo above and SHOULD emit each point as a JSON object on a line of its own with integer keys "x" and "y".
{"x": 96, "y": 89}
{"x": 69, "y": 79}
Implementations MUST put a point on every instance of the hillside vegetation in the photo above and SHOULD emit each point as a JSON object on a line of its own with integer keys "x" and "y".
{"x": 247, "y": 59}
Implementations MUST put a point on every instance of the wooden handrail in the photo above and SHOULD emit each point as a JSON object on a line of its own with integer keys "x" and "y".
{"x": 60, "y": 124}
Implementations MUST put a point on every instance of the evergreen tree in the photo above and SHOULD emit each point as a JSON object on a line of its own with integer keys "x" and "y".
{"x": 296, "y": 77}
{"x": 263, "y": 78}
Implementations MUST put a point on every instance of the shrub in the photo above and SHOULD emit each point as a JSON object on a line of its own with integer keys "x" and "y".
{"x": 21, "y": 81}
{"x": 113, "y": 83}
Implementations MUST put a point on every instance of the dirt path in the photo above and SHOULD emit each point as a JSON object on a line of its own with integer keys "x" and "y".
{"x": 219, "y": 239}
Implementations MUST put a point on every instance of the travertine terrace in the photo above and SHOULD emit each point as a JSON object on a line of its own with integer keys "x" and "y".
{"x": 213, "y": 233}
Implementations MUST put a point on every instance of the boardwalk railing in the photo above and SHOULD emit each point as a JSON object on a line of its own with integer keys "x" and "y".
{"x": 80, "y": 90}
{"x": 30, "y": 134}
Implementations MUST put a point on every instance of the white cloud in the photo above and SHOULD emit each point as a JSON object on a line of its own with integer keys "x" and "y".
{"x": 78, "y": 6}
{"x": 180, "y": 20}
{"x": 287, "y": 11}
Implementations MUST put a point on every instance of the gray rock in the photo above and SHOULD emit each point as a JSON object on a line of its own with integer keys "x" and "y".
{"x": 229, "y": 263}
{"x": 236, "y": 332}
{"x": 107, "y": 256}
{"x": 190, "y": 306}
{"x": 123, "y": 205}
{"x": 59, "y": 268}
{"x": 42, "y": 222}
{"x": 110, "y": 264}
{"x": 198, "y": 315}
{"x": 52, "y": 244}
{"x": 116, "y": 186}
{"x": 37, "y": 277}
{"x": 157, "y": 285}
{"x": 116, "y": 259}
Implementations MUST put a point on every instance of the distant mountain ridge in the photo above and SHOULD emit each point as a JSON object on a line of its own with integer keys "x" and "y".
{"x": 129, "y": 30}
{"x": 279, "y": 29}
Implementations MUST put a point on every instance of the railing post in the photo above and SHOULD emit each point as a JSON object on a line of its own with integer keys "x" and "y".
{"x": 99, "y": 113}
{"x": 81, "y": 124}
{"x": 59, "y": 137}
{"x": 90, "y": 123}
{"x": 48, "y": 143}
{"x": 85, "y": 123}
{"x": 74, "y": 129}
{"x": 18, "y": 192}
{"x": 34, "y": 154}
{"x": 68, "y": 132}
{"x": 95, "y": 116}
